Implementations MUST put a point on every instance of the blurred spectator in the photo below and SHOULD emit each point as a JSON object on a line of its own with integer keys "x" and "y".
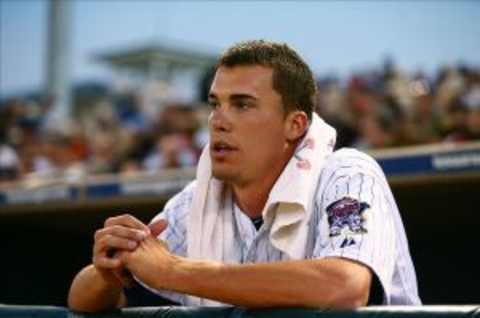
{"x": 172, "y": 150}
{"x": 466, "y": 117}
{"x": 454, "y": 124}
{"x": 106, "y": 144}
{"x": 127, "y": 132}
{"x": 128, "y": 112}
{"x": 58, "y": 158}
{"x": 472, "y": 99}
{"x": 9, "y": 163}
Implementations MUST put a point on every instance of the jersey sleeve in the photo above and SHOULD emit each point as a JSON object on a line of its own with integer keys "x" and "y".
{"x": 175, "y": 213}
{"x": 355, "y": 216}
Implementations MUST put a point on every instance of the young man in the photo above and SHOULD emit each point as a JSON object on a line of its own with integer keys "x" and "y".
{"x": 274, "y": 217}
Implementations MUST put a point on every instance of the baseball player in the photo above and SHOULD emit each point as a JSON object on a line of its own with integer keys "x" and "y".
{"x": 274, "y": 218}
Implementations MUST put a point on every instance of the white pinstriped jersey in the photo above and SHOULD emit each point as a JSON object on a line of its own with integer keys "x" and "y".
{"x": 376, "y": 239}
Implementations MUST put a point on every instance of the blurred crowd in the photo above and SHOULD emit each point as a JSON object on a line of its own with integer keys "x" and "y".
{"x": 114, "y": 136}
{"x": 115, "y": 133}
{"x": 386, "y": 108}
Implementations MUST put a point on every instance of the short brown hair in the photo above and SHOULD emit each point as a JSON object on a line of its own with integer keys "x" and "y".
{"x": 292, "y": 78}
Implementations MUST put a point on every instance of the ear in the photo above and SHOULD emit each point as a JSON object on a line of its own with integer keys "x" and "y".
{"x": 296, "y": 124}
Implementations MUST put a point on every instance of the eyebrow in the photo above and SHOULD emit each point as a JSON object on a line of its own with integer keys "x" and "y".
{"x": 242, "y": 96}
{"x": 234, "y": 96}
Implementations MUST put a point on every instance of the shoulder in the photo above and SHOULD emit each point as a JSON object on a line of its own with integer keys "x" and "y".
{"x": 349, "y": 157}
{"x": 182, "y": 198}
{"x": 350, "y": 173}
{"x": 349, "y": 161}
{"x": 179, "y": 204}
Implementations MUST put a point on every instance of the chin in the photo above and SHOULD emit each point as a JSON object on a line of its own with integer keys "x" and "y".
{"x": 223, "y": 174}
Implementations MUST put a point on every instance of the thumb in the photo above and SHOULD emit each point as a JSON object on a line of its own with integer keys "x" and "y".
{"x": 158, "y": 227}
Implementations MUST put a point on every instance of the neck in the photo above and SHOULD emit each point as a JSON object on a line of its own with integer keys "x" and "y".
{"x": 251, "y": 200}
{"x": 252, "y": 197}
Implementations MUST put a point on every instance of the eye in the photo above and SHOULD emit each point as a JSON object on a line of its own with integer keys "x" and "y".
{"x": 242, "y": 104}
{"x": 213, "y": 104}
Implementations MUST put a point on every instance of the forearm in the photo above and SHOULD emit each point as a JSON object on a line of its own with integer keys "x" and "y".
{"x": 90, "y": 292}
{"x": 308, "y": 283}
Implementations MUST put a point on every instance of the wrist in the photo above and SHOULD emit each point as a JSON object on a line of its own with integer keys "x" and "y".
{"x": 190, "y": 276}
{"x": 173, "y": 273}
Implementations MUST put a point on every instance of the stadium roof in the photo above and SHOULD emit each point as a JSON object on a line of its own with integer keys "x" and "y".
{"x": 174, "y": 55}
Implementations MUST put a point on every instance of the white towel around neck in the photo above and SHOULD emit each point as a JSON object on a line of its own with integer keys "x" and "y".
{"x": 210, "y": 222}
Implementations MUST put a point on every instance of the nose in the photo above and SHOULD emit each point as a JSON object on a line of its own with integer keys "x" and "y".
{"x": 220, "y": 120}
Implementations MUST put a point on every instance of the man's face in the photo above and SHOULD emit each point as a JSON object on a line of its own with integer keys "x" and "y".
{"x": 247, "y": 133}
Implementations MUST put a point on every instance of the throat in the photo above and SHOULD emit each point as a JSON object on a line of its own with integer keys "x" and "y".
{"x": 251, "y": 202}
{"x": 252, "y": 196}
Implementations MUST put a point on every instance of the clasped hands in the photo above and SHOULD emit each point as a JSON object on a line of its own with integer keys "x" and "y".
{"x": 125, "y": 247}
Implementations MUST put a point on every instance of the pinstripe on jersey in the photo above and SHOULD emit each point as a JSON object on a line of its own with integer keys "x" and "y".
{"x": 348, "y": 173}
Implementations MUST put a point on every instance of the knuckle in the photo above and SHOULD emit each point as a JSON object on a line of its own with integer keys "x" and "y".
{"x": 131, "y": 220}
{"x": 114, "y": 242}
{"x": 98, "y": 234}
{"x": 114, "y": 229}
{"x": 123, "y": 232}
{"x": 102, "y": 242}
{"x": 107, "y": 238}
{"x": 109, "y": 221}
{"x": 119, "y": 230}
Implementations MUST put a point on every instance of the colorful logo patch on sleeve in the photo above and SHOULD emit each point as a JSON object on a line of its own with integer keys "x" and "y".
{"x": 346, "y": 213}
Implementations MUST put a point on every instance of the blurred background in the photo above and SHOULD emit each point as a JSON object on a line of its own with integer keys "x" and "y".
{"x": 102, "y": 111}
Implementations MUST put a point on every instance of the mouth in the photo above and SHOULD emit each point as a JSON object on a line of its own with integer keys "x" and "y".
{"x": 221, "y": 149}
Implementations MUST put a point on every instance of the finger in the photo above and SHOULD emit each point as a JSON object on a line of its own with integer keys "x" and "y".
{"x": 124, "y": 276}
{"x": 157, "y": 227}
{"x": 128, "y": 221}
{"x": 121, "y": 231}
{"x": 123, "y": 256}
{"x": 105, "y": 262}
{"x": 109, "y": 242}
